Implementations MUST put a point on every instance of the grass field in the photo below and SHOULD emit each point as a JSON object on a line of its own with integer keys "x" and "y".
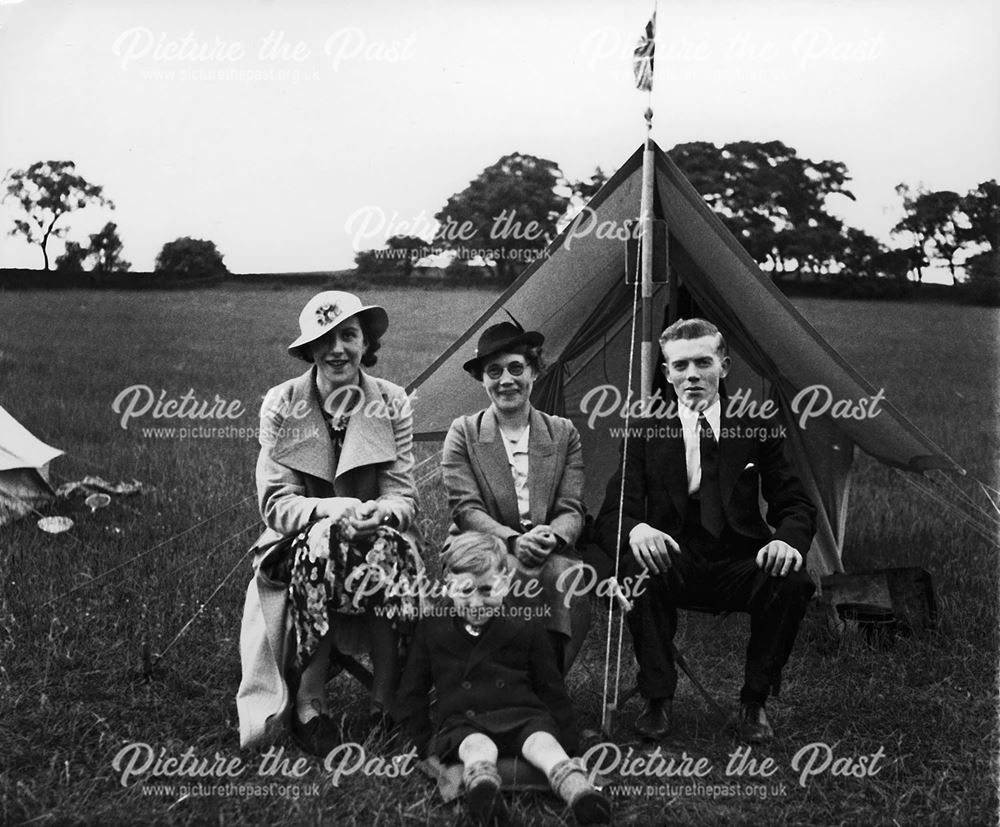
{"x": 72, "y": 692}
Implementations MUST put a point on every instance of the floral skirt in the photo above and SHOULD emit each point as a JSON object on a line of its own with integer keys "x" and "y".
{"x": 331, "y": 576}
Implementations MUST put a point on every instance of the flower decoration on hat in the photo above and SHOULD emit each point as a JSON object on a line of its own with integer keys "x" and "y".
{"x": 327, "y": 313}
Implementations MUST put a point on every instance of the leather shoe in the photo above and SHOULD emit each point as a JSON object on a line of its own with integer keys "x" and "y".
{"x": 380, "y": 721}
{"x": 753, "y": 726}
{"x": 654, "y": 723}
{"x": 318, "y": 735}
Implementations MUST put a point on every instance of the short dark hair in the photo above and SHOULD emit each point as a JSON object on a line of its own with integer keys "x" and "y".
{"x": 532, "y": 355}
{"x": 694, "y": 329}
{"x": 370, "y": 356}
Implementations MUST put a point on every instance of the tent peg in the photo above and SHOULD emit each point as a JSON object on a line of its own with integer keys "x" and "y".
{"x": 609, "y": 720}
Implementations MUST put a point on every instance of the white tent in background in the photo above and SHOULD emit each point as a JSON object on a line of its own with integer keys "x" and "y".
{"x": 577, "y": 295}
{"x": 24, "y": 469}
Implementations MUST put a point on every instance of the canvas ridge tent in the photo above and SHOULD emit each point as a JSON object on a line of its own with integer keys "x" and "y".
{"x": 577, "y": 295}
{"x": 24, "y": 469}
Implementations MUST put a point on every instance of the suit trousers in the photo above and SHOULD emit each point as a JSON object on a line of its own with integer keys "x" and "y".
{"x": 719, "y": 574}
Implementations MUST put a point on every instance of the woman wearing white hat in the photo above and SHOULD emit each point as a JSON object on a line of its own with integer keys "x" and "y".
{"x": 334, "y": 473}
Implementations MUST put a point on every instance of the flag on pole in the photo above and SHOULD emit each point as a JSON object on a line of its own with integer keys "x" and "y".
{"x": 642, "y": 57}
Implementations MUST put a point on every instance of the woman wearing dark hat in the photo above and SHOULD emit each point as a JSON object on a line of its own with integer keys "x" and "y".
{"x": 517, "y": 473}
{"x": 334, "y": 473}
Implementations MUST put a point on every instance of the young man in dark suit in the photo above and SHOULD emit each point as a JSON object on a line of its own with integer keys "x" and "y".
{"x": 691, "y": 518}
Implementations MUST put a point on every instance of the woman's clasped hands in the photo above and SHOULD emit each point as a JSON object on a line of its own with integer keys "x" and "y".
{"x": 533, "y": 547}
{"x": 357, "y": 519}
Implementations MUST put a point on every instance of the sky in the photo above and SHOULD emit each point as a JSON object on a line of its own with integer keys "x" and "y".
{"x": 293, "y": 133}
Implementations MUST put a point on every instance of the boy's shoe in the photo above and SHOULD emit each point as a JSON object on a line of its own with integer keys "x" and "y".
{"x": 482, "y": 794}
{"x": 570, "y": 783}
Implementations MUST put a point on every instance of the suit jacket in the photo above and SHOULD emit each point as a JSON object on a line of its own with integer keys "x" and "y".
{"x": 753, "y": 457}
{"x": 294, "y": 470}
{"x": 505, "y": 678}
{"x": 480, "y": 486}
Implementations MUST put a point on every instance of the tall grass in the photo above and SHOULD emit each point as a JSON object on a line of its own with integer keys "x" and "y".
{"x": 72, "y": 686}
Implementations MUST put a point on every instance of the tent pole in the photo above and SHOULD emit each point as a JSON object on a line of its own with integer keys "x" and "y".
{"x": 673, "y": 295}
{"x": 646, "y": 221}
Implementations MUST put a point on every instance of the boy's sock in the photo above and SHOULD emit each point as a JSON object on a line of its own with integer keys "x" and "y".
{"x": 569, "y": 782}
{"x": 482, "y": 793}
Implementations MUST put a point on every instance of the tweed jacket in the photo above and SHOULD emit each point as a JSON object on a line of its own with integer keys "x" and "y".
{"x": 480, "y": 488}
{"x": 504, "y": 679}
{"x": 295, "y": 469}
{"x": 754, "y": 456}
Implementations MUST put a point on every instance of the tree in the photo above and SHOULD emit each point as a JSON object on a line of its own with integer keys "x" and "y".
{"x": 897, "y": 264}
{"x": 586, "y": 190}
{"x": 508, "y": 213}
{"x": 861, "y": 253}
{"x": 936, "y": 221}
{"x": 817, "y": 246}
{"x": 103, "y": 254}
{"x": 771, "y": 199}
{"x": 46, "y": 191}
{"x": 412, "y": 249}
{"x": 190, "y": 258}
{"x": 366, "y": 261}
{"x": 106, "y": 249}
{"x": 984, "y": 277}
{"x": 982, "y": 207}
{"x": 72, "y": 259}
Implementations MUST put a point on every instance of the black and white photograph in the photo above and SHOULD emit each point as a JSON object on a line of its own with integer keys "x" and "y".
{"x": 499, "y": 413}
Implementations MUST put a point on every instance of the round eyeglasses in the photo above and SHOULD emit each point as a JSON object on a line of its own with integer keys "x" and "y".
{"x": 513, "y": 368}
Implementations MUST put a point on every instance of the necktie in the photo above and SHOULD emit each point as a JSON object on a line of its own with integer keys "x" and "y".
{"x": 712, "y": 517}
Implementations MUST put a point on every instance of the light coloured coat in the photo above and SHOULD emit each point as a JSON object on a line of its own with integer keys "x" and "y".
{"x": 295, "y": 470}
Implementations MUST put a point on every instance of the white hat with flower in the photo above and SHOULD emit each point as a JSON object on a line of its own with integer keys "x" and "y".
{"x": 324, "y": 311}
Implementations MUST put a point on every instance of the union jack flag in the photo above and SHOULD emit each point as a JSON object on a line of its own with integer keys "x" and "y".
{"x": 642, "y": 57}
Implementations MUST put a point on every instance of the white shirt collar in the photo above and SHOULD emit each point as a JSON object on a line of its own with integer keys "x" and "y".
{"x": 689, "y": 417}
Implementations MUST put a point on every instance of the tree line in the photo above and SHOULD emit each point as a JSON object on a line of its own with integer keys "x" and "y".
{"x": 773, "y": 200}
{"x": 48, "y": 191}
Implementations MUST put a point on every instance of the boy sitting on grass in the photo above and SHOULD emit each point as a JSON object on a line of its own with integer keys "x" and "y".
{"x": 499, "y": 691}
